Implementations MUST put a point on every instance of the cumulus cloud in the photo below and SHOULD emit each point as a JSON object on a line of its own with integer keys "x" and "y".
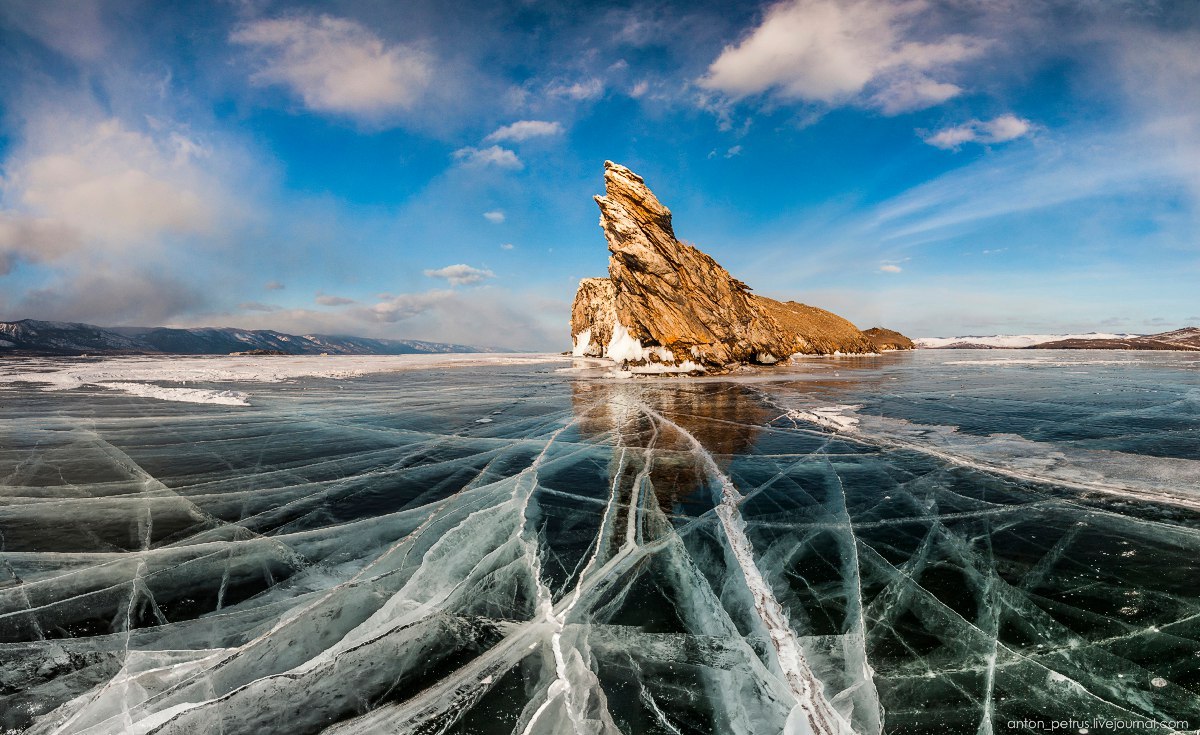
{"x": 495, "y": 216}
{"x": 108, "y": 182}
{"x": 839, "y": 51}
{"x": 524, "y": 130}
{"x": 997, "y": 130}
{"x": 507, "y": 246}
{"x": 330, "y": 300}
{"x": 890, "y": 268}
{"x": 490, "y": 156}
{"x": 461, "y": 274}
{"x": 117, "y": 217}
{"x": 337, "y": 65}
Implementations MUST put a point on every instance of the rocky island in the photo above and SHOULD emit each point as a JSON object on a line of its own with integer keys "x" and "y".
{"x": 667, "y": 307}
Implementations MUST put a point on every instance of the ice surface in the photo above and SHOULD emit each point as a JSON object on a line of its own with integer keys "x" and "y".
{"x": 131, "y": 374}
{"x": 913, "y": 543}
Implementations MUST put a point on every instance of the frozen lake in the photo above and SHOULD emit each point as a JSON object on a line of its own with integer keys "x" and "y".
{"x": 929, "y": 542}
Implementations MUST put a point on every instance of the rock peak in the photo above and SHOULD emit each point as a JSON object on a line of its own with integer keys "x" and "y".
{"x": 666, "y": 306}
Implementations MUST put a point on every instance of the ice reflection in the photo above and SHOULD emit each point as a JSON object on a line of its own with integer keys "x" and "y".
{"x": 724, "y": 418}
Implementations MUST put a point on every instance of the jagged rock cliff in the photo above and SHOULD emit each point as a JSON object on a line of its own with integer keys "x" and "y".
{"x": 667, "y": 304}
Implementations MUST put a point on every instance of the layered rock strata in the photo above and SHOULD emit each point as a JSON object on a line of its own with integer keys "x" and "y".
{"x": 667, "y": 306}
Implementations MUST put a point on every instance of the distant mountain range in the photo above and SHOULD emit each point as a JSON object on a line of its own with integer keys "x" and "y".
{"x": 1186, "y": 339}
{"x": 32, "y": 337}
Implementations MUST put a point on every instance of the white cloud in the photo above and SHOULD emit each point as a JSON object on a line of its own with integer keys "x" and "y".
{"x": 524, "y": 130}
{"x": 495, "y": 216}
{"x": 33, "y": 239}
{"x": 113, "y": 183}
{"x": 837, "y": 51}
{"x": 507, "y": 246}
{"x": 490, "y": 156}
{"x": 913, "y": 93}
{"x": 890, "y": 268}
{"x": 998, "y": 130}
{"x": 409, "y": 305}
{"x": 337, "y": 65}
{"x": 330, "y": 300}
{"x": 76, "y": 182}
{"x": 585, "y": 89}
{"x": 461, "y": 274}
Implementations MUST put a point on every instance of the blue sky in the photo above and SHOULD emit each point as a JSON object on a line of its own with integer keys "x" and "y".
{"x": 415, "y": 170}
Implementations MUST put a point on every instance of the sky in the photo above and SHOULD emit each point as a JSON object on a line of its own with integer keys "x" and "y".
{"x": 425, "y": 170}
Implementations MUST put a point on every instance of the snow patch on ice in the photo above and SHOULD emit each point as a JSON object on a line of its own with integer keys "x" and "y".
{"x": 181, "y": 395}
{"x": 833, "y": 418}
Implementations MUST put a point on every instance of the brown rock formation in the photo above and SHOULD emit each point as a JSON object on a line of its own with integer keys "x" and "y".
{"x": 666, "y": 303}
{"x": 595, "y": 309}
{"x": 888, "y": 339}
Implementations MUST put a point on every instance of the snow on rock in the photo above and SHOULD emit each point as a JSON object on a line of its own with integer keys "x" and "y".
{"x": 583, "y": 342}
